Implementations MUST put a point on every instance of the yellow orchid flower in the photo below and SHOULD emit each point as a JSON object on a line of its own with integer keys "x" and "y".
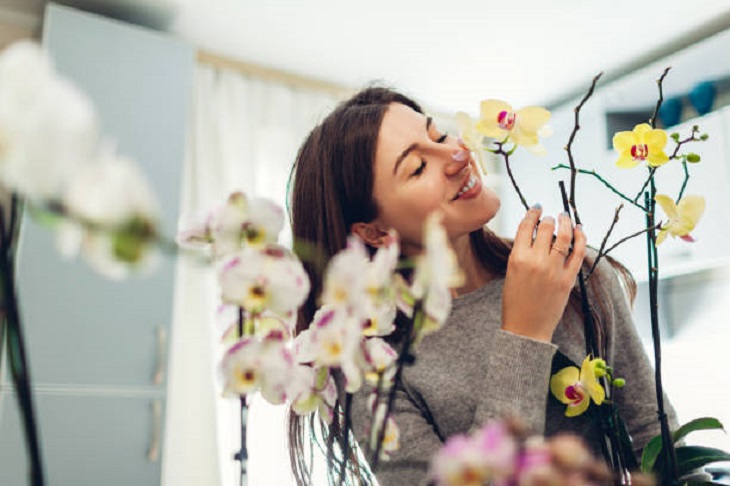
{"x": 576, "y": 387}
{"x": 644, "y": 143}
{"x": 683, "y": 217}
{"x": 471, "y": 138}
{"x": 524, "y": 127}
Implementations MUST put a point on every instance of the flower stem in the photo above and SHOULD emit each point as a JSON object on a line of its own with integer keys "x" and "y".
{"x": 346, "y": 437}
{"x": 16, "y": 349}
{"x": 659, "y": 102}
{"x": 605, "y": 239}
{"x": 604, "y": 182}
{"x": 653, "y": 267}
{"x": 569, "y": 146}
{"x": 684, "y": 182}
{"x": 505, "y": 156}
{"x": 242, "y": 455}
{"x": 646, "y": 183}
{"x": 619, "y": 242}
{"x": 404, "y": 358}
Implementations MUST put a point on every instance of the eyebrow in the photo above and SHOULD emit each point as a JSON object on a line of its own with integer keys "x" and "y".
{"x": 410, "y": 148}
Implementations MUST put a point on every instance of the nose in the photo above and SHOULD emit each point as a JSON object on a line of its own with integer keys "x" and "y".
{"x": 458, "y": 160}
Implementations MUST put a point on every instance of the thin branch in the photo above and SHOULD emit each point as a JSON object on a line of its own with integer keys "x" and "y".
{"x": 691, "y": 138}
{"x": 684, "y": 183}
{"x": 505, "y": 156}
{"x": 605, "y": 238}
{"x": 646, "y": 183}
{"x": 604, "y": 182}
{"x": 619, "y": 242}
{"x": 659, "y": 102}
{"x": 569, "y": 146}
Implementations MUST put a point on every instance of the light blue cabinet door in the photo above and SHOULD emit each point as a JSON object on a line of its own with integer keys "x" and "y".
{"x": 87, "y": 440}
{"x": 82, "y": 329}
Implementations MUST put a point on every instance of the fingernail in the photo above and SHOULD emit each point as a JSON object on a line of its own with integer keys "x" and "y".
{"x": 565, "y": 214}
{"x": 460, "y": 155}
{"x": 548, "y": 219}
{"x": 536, "y": 206}
{"x": 579, "y": 227}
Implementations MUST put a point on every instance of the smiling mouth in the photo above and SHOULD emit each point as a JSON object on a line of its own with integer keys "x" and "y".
{"x": 468, "y": 185}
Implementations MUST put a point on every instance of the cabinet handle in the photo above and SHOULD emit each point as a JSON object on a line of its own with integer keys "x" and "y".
{"x": 161, "y": 356}
{"x": 153, "y": 454}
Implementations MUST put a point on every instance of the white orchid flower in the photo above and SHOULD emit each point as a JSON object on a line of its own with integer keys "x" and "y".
{"x": 346, "y": 277}
{"x": 253, "y": 365}
{"x": 334, "y": 340}
{"x": 379, "y": 361}
{"x": 241, "y": 222}
{"x": 312, "y": 390}
{"x": 269, "y": 278}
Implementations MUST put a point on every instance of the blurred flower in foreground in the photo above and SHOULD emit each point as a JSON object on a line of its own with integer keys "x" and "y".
{"x": 114, "y": 217}
{"x": 437, "y": 272}
{"x": 643, "y": 144}
{"x": 576, "y": 387}
{"x": 48, "y": 128}
{"x": 501, "y": 454}
{"x": 683, "y": 217}
{"x": 524, "y": 127}
{"x": 488, "y": 455}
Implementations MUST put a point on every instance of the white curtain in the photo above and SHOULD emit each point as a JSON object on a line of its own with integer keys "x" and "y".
{"x": 244, "y": 134}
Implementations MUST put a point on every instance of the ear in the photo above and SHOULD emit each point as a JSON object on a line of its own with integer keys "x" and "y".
{"x": 370, "y": 233}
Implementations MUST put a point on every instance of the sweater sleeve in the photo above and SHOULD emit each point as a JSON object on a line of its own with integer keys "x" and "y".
{"x": 516, "y": 381}
{"x": 418, "y": 438}
{"x": 637, "y": 400}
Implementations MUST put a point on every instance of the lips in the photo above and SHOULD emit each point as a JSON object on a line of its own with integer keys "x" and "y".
{"x": 469, "y": 187}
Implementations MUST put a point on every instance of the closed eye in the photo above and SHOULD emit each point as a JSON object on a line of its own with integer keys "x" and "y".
{"x": 420, "y": 169}
{"x": 442, "y": 138}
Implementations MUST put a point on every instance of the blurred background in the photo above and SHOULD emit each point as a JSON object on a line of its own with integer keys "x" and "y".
{"x": 211, "y": 97}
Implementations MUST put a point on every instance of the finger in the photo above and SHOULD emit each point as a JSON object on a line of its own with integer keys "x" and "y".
{"x": 544, "y": 236}
{"x": 523, "y": 238}
{"x": 561, "y": 245}
{"x": 575, "y": 260}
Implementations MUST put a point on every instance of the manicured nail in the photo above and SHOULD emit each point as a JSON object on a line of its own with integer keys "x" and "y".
{"x": 565, "y": 214}
{"x": 536, "y": 206}
{"x": 579, "y": 227}
{"x": 548, "y": 219}
{"x": 460, "y": 155}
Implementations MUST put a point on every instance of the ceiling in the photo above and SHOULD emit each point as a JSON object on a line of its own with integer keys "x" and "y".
{"x": 449, "y": 55}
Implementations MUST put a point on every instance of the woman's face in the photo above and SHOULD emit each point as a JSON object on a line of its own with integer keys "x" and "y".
{"x": 419, "y": 169}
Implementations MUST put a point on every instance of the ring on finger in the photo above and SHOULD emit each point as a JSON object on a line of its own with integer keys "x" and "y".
{"x": 561, "y": 250}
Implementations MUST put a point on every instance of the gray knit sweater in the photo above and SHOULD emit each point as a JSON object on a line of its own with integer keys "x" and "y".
{"x": 472, "y": 371}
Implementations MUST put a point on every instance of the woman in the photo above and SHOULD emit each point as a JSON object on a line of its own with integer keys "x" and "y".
{"x": 378, "y": 163}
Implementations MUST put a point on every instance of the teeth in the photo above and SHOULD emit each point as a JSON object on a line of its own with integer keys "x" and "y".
{"x": 469, "y": 184}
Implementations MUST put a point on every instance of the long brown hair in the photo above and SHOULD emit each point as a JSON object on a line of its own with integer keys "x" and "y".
{"x": 332, "y": 189}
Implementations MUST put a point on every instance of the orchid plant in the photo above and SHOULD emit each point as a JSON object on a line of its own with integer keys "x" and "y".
{"x": 501, "y": 130}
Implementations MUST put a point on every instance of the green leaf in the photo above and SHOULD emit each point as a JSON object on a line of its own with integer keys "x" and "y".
{"x": 704, "y": 423}
{"x": 651, "y": 452}
{"x": 654, "y": 447}
{"x": 693, "y": 158}
{"x": 693, "y": 457}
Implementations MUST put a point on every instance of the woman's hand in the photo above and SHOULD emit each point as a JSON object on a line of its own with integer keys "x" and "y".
{"x": 540, "y": 275}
